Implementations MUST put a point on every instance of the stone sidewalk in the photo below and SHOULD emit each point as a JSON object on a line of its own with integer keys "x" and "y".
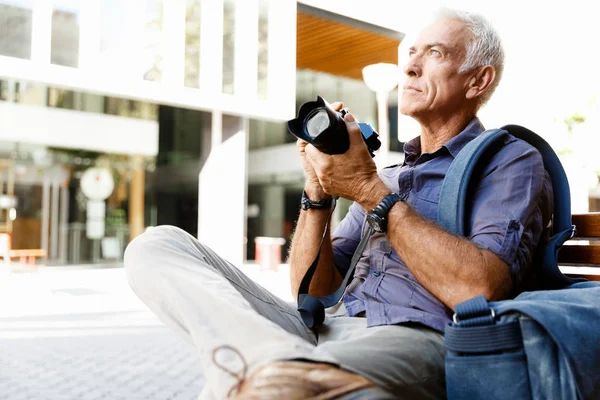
{"x": 82, "y": 334}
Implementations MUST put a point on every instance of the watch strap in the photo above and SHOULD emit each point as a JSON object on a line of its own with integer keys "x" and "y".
{"x": 307, "y": 203}
{"x": 377, "y": 217}
{"x": 383, "y": 208}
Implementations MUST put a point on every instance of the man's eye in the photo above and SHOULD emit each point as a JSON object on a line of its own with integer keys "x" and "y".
{"x": 435, "y": 52}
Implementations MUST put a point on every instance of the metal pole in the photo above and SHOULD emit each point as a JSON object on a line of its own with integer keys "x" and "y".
{"x": 54, "y": 221}
{"x": 382, "y": 128}
{"x": 64, "y": 224}
{"x": 136, "y": 197}
{"x": 10, "y": 191}
{"x": 45, "y": 215}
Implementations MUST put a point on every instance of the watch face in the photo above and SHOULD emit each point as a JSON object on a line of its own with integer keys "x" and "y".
{"x": 376, "y": 222}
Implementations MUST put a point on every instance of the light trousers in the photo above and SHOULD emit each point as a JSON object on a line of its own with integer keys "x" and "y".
{"x": 237, "y": 326}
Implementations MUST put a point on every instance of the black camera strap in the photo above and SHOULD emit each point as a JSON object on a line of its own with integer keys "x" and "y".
{"x": 312, "y": 308}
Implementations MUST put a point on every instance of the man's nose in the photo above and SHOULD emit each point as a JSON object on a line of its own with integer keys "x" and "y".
{"x": 413, "y": 67}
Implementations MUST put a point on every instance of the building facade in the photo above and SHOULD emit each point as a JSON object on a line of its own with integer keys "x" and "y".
{"x": 184, "y": 101}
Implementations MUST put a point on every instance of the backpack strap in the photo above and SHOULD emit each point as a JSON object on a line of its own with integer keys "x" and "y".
{"x": 453, "y": 196}
{"x": 453, "y": 214}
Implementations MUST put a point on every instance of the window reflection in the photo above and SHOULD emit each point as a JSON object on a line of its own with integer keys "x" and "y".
{"x": 115, "y": 36}
{"x": 4, "y": 90}
{"x": 15, "y": 28}
{"x": 30, "y": 93}
{"x": 192, "y": 43}
{"x": 153, "y": 38}
{"x": 130, "y": 108}
{"x": 65, "y": 33}
{"x": 263, "y": 48}
{"x": 228, "y": 45}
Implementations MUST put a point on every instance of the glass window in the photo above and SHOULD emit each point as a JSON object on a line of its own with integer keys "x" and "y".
{"x": 181, "y": 135}
{"x": 121, "y": 48}
{"x": 228, "y": 45}
{"x": 192, "y": 43}
{"x": 395, "y": 144}
{"x": 70, "y": 100}
{"x": 30, "y": 93}
{"x": 65, "y": 33}
{"x": 130, "y": 108}
{"x": 4, "y": 90}
{"x": 153, "y": 39}
{"x": 266, "y": 133}
{"x": 61, "y": 98}
{"x": 263, "y": 48}
{"x": 15, "y": 28}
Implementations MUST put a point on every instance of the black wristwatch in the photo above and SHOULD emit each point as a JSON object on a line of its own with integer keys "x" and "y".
{"x": 377, "y": 217}
{"x": 319, "y": 204}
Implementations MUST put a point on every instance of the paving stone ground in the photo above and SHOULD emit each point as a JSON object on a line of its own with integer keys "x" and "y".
{"x": 81, "y": 334}
{"x": 155, "y": 365}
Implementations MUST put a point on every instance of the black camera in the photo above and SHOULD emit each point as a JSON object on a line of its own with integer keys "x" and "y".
{"x": 323, "y": 127}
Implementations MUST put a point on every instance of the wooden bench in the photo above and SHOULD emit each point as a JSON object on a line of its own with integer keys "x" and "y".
{"x": 26, "y": 256}
{"x": 580, "y": 256}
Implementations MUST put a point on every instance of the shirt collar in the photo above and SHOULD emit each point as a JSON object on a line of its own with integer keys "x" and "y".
{"x": 412, "y": 148}
{"x": 473, "y": 129}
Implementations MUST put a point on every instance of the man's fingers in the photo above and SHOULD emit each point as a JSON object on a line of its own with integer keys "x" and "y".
{"x": 301, "y": 144}
{"x": 311, "y": 152}
{"x": 315, "y": 157}
{"x": 353, "y": 129}
{"x": 337, "y": 106}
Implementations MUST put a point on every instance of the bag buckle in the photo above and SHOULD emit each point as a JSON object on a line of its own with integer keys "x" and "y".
{"x": 456, "y": 320}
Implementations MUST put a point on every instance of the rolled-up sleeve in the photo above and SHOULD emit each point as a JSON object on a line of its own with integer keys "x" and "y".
{"x": 511, "y": 206}
{"x": 346, "y": 236}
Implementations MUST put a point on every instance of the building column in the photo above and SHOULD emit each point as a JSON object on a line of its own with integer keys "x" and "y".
{"x": 222, "y": 189}
{"x": 136, "y": 197}
{"x": 272, "y": 211}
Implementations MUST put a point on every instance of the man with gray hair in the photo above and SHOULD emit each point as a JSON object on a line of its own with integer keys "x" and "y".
{"x": 385, "y": 340}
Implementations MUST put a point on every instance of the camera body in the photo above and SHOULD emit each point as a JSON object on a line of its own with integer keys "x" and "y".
{"x": 320, "y": 125}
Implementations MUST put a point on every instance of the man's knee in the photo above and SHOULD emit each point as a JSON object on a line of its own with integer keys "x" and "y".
{"x": 161, "y": 246}
{"x": 149, "y": 241}
{"x": 146, "y": 252}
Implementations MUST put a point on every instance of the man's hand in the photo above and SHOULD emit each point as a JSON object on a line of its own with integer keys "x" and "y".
{"x": 352, "y": 175}
{"x": 313, "y": 187}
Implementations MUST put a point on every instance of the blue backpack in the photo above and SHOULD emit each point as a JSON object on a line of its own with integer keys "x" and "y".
{"x": 543, "y": 344}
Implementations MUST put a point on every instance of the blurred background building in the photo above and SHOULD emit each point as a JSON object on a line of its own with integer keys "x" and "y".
{"x": 183, "y": 101}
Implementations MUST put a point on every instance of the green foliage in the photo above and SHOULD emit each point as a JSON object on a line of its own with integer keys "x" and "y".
{"x": 565, "y": 152}
{"x": 573, "y": 120}
{"x": 116, "y": 217}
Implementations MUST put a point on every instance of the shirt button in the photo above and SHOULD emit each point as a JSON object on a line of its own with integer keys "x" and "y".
{"x": 376, "y": 273}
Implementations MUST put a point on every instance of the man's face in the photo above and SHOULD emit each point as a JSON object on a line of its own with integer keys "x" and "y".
{"x": 433, "y": 85}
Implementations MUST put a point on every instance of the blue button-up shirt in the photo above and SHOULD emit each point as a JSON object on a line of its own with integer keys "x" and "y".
{"x": 512, "y": 205}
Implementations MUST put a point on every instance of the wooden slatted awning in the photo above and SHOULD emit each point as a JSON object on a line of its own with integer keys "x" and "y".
{"x": 341, "y": 46}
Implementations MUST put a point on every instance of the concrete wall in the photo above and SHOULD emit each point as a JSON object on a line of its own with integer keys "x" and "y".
{"x": 77, "y": 130}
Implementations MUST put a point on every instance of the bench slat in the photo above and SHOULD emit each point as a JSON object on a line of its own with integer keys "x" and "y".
{"x": 574, "y": 254}
{"x": 588, "y": 277}
{"x": 27, "y": 253}
{"x": 588, "y": 225}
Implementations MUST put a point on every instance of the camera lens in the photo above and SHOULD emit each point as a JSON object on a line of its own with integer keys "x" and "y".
{"x": 317, "y": 122}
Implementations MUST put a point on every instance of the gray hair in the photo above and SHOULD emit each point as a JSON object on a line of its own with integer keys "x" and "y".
{"x": 484, "y": 49}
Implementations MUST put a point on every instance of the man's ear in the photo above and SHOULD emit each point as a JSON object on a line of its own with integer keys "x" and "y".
{"x": 481, "y": 81}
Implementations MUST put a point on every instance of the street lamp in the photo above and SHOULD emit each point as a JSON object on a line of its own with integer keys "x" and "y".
{"x": 381, "y": 78}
